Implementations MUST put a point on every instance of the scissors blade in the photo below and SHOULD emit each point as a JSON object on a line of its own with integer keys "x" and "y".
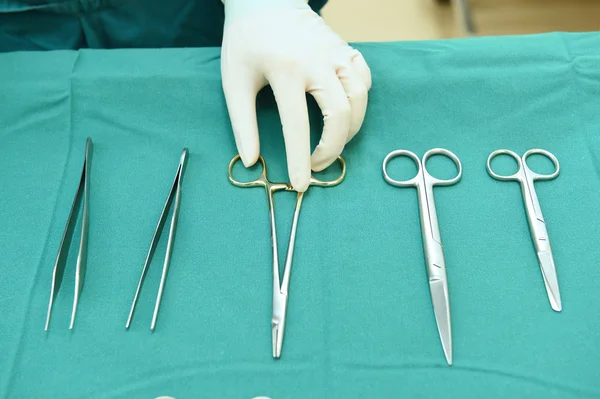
{"x": 278, "y": 322}
{"x": 441, "y": 308}
{"x": 550, "y": 279}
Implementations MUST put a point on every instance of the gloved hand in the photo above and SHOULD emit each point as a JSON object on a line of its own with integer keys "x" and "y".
{"x": 286, "y": 44}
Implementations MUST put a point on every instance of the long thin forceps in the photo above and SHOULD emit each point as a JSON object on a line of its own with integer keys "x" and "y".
{"x": 432, "y": 242}
{"x": 173, "y": 197}
{"x": 281, "y": 287}
{"x": 537, "y": 225}
{"x": 82, "y": 193}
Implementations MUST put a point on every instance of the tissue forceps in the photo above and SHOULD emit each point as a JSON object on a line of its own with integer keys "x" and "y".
{"x": 537, "y": 225}
{"x": 281, "y": 287}
{"x": 81, "y": 195}
{"x": 432, "y": 242}
{"x": 173, "y": 197}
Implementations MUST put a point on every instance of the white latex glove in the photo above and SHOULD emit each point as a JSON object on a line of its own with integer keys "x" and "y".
{"x": 287, "y": 45}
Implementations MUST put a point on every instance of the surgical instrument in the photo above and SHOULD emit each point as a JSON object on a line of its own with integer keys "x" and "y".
{"x": 537, "y": 225}
{"x": 174, "y": 198}
{"x": 81, "y": 195}
{"x": 432, "y": 242}
{"x": 281, "y": 287}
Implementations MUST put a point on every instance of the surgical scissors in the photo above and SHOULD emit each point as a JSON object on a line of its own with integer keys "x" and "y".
{"x": 537, "y": 225}
{"x": 281, "y": 287}
{"x": 432, "y": 242}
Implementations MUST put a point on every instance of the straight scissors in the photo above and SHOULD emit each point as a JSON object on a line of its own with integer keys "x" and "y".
{"x": 537, "y": 225}
{"x": 281, "y": 287}
{"x": 432, "y": 242}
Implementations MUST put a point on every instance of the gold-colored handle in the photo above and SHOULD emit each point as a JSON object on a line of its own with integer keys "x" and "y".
{"x": 260, "y": 181}
{"x": 330, "y": 183}
{"x": 264, "y": 182}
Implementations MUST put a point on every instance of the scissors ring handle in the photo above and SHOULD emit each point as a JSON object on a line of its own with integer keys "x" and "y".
{"x": 330, "y": 183}
{"x": 401, "y": 183}
{"x": 447, "y": 154}
{"x": 260, "y": 181}
{"x": 547, "y": 154}
{"x": 514, "y": 176}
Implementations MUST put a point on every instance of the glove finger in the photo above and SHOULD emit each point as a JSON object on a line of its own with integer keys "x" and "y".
{"x": 335, "y": 107}
{"x": 290, "y": 95}
{"x": 360, "y": 65}
{"x": 358, "y": 96}
{"x": 240, "y": 89}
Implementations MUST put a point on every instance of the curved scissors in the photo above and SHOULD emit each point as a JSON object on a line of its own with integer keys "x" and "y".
{"x": 537, "y": 226}
{"x": 281, "y": 287}
{"x": 432, "y": 242}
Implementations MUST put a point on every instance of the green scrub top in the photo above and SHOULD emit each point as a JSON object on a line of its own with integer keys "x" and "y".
{"x": 74, "y": 24}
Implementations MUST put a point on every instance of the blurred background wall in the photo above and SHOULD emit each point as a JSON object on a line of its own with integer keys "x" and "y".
{"x": 388, "y": 20}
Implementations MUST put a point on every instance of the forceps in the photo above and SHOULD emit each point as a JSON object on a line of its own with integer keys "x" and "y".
{"x": 537, "y": 226}
{"x": 81, "y": 195}
{"x": 432, "y": 242}
{"x": 173, "y": 197}
{"x": 281, "y": 287}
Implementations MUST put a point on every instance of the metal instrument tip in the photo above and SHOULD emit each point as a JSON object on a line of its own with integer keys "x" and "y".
{"x": 441, "y": 309}
{"x": 555, "y": 303}
{"x": 550, "y": 279}
{"x": 448, "y": 354}
{"x": 277, "y": 333}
